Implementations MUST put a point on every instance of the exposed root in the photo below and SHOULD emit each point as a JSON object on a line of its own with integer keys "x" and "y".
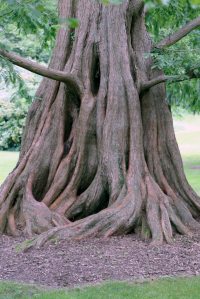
{"x": 123, "y": 217}
{"x": 3, "y": 217}
{"x": 166, "y": 225}
{"x": 11, "y": 223}
{"x": 37, "y": 216}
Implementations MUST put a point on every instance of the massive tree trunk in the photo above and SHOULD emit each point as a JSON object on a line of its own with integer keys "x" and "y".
{"x": 99, "y": 157}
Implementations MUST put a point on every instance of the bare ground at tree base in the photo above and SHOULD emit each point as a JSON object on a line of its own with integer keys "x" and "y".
{"x": 68, "y": 264}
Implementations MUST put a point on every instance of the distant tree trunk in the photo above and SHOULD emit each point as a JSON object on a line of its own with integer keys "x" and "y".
{"x": 101, "y": 159}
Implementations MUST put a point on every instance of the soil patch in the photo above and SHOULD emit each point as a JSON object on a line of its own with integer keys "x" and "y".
{"x": 73, "y": 263}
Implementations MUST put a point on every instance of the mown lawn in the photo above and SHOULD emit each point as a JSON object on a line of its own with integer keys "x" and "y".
{"x": 176, "y": 288}
{"x": 8, "y": 161}
{"x": 188, "y": 137}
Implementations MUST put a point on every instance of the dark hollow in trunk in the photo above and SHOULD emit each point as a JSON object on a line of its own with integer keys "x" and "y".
{"x": 103, "y": 161}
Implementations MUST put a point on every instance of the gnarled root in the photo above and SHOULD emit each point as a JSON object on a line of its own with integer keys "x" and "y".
{"x": 37, "y": 216}
{"x": 151, "y": 213}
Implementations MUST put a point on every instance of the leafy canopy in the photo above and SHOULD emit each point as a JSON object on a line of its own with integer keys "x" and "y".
{"x": 164, "y": 18}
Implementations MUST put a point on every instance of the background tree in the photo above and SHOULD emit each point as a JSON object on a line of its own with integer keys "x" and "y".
{"x": 99, "y": 155}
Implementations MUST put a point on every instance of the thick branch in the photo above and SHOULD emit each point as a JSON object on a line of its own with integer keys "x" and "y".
{"x": 175, "y": 37}
{"x": 39, "y": 69}
{"x": 171, "y": 79}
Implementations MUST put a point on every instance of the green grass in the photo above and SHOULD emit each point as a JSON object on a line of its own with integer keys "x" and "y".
{"x": 192, "y": 172}
{"x": 188, "y": 137}
{"x": 174, "y": 288}
{"x": 8, "y": 161}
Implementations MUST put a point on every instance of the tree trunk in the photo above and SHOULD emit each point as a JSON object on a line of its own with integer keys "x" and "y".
{"x": 103, "y": 160}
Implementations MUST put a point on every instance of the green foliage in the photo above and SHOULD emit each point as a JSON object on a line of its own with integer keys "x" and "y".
{"x": 10, "y": 76}
{"x": 72, "y": 23}
{"x": 26, "y": 27}
{"x": 162, "y": 20}
{"x": 12, "y": 121}
{"x": 179, "y": 59}
{"x": 29, "y": 16}
{"x": 169, "y": 15}
{"x": 184, "y": 95}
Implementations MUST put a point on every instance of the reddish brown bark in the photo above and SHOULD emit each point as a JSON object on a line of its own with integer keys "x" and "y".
{"x": 104, "y": 161}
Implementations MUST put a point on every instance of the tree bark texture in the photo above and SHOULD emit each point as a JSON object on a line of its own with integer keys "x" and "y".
{"x": 104, "y": 161}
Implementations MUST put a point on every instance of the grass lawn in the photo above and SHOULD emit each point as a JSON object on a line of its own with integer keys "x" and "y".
{"x": 188, "y": 137}
{"x": 8, "y": 161}
{"x": 179, "y": 288}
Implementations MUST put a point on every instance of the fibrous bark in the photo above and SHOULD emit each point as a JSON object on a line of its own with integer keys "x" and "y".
{"x": 105, "y": 160}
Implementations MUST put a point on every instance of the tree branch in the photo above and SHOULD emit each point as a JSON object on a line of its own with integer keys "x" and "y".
{"x": 41, "y": 70}
{"x": 171, "y": 79}
{"x": 175, "y": 37}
